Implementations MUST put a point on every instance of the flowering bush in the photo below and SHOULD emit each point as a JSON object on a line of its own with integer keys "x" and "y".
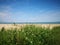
{"x": 30, "y": 35}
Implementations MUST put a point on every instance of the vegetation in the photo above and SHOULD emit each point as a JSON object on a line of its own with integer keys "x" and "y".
{"x": 30, "y": 35}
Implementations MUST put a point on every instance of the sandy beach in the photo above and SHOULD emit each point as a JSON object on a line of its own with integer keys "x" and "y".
{"x": 9, "y": 26}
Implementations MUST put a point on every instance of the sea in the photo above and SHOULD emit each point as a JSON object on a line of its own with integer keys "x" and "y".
{"x": 29, "y": 22}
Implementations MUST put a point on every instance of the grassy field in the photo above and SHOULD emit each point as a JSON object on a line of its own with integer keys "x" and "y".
{"x": 30, "y": 35}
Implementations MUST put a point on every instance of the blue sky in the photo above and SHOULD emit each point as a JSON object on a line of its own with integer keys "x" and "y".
{"x": 29, "y": 10}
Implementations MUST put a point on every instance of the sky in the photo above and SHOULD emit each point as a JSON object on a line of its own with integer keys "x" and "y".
{"x": 29, "y": 10}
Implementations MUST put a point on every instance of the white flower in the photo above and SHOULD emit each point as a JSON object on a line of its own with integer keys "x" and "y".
{"x": 30, "y": 41}
{"x": 32, "y": 34}
{"x": 26, "y": 38}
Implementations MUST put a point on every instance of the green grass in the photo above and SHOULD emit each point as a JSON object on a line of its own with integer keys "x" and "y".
{"x": 30, "y": 35}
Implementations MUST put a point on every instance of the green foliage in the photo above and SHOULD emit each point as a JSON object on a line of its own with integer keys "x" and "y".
{"x": 56, "y": 35}
{"x": 30, "y": 35}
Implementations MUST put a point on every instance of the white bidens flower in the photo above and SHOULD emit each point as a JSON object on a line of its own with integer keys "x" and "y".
{"x": 26, "y": 38}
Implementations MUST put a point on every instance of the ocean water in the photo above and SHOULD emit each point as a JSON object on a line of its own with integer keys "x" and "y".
{"x": 30, "y": 22}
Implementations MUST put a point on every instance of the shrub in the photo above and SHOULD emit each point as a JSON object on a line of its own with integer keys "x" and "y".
{"x": 30, "y": 35}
